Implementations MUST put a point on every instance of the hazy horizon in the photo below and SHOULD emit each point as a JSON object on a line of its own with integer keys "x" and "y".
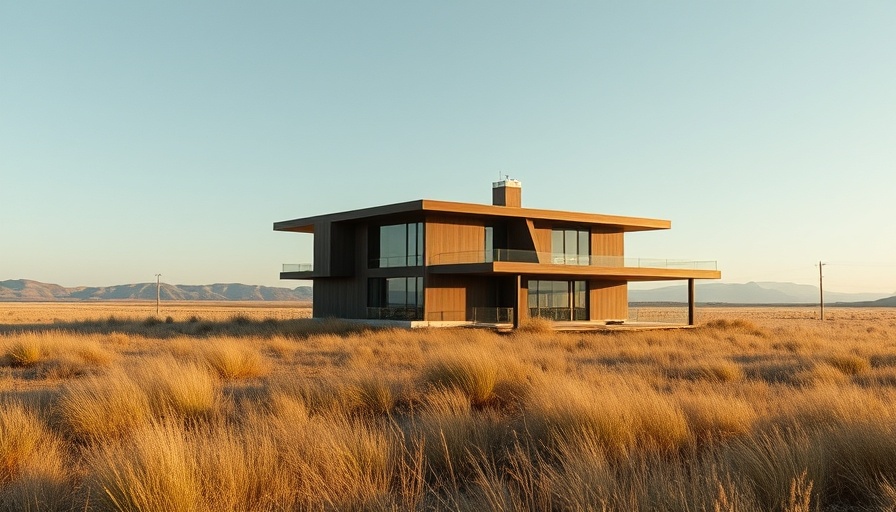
{"x": 167, "y": 138}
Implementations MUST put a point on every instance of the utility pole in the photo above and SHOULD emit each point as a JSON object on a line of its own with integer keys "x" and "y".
{"x": 158, "y": 292}
{"x": 821, "y": 288}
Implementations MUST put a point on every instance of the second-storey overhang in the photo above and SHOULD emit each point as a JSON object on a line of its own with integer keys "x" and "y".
{"x": 424, "y": 206}
{"x": 575, "y": 272}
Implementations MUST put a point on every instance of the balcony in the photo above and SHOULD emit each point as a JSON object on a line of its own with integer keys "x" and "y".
{"x": 298, "y": 267}
{"x": 546, "y": 258}
{"x": 297, "y": 271}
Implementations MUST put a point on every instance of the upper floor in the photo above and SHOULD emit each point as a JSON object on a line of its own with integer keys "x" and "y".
{"x": 449, "y": 237}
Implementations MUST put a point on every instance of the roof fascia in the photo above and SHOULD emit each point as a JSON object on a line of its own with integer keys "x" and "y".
{"x": 306, "y": 224}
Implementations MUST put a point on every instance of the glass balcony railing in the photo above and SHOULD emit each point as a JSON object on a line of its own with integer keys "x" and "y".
{"x": 298, "y": 267}
{"x": 521, "y": 256}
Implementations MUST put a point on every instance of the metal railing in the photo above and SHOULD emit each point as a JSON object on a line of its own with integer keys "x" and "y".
{"x": 665, "y": 314}
{"x": 560, "y": 314}
{"x": 298, "y": 267}
{"x": 522, "y": 256}
{"x": 446, "y": 316}
{"x": 493, "y": 315}
{"x": 395, "y": 313}
{"x": 395, "y": 261}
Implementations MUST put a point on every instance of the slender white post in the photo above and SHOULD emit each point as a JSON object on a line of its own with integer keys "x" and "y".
{"x": 158, "y": 292}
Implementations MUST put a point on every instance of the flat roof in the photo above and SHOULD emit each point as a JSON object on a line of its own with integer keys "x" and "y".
{"x": 306, "y": 224}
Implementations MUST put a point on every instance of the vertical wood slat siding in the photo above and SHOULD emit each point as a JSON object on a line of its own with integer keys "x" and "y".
{"x": 322, "y": 244}
{"x": 445, "y": 297}
{"x": 344, "y": 297}
{"x": 608, "y": 300}
{"x": 607, "y": 243}
{"x": 542, "y": 234}
{"x": 451, "y": 235}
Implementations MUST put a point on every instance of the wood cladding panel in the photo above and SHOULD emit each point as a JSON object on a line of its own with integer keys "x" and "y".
{"x": 446, "y": 235}
{"x": 339, "y": 297}
{"x": 322, "y": 244}
{"x": 542, "y": 235}
{"x": 345, "y": 297}
{"x": 445, "y": 298}
{"x": 608, "y": 300}
{"x": 521, "y": 313}
{"x": 452, "y": 298}
{"x": 607, "y": 243}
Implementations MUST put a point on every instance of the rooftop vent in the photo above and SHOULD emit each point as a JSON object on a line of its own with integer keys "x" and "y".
{"x": 507, "y": 192}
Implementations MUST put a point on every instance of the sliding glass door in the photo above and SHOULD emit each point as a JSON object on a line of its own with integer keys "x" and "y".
{"x": 558, "y": 300}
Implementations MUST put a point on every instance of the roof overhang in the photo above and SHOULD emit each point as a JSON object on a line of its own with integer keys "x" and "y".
{"x": 621, "y": 223}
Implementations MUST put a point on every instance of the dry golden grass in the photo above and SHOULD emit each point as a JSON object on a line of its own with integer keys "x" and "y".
{"x": 758, "y": 409}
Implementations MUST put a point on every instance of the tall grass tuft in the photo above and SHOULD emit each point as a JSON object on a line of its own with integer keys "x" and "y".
{"x": 184, "y": 389}
{"x": 33, "y": 464}
{"x": 103, "y": 407}
{"x": 470, "y": 369}
{"x": 153, "y": 469}
{"x": 233, "y": 359}
{"x": 25, "y": 352}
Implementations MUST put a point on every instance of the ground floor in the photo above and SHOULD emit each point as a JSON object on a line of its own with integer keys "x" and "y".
{"x": 479, "y": 299}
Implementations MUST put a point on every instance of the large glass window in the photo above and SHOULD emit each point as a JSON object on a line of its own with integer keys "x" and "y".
{"x": 396, "y": 298}
{"x": 558, "y": 300}
{"x": 570, "y": 246}
{"x": 397, "y": 245}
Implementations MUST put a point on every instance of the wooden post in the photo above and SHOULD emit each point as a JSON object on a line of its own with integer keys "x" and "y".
{"x": 516, "y": 307}
{"x": 691, "y": 290}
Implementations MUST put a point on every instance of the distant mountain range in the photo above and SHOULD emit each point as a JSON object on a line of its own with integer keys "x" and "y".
{"x": 758, "y": 293}
{"x": 726, "y": 293}
{"x": 26, "y": 290}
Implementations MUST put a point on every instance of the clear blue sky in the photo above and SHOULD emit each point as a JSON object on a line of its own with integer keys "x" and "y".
{"x": 166, "y": 137}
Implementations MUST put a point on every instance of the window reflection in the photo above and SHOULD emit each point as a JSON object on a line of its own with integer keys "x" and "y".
{"x": 397, "y": 245}
{"x": 570, "y": 246}
{"x": 558, "y": 300}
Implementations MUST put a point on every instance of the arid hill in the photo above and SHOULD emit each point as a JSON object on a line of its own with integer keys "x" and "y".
{"x": 27, "y": 290}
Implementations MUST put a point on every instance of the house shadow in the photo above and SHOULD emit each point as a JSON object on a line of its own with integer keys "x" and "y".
{"x": 153, "y": 327}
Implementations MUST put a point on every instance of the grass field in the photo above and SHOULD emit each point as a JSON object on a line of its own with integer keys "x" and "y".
{"x": 230, "y": 407}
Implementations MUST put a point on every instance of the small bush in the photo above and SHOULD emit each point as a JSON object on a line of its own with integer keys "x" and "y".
{"x": 151, "y": 321}
{"x": 169, "y": 320}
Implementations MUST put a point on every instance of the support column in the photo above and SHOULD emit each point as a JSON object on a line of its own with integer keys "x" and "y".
{"x": 517, "y": 302}
{"x": 691, "y": 289}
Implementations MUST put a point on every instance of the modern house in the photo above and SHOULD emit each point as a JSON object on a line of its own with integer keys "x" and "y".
{"x": 438, "y": 261}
